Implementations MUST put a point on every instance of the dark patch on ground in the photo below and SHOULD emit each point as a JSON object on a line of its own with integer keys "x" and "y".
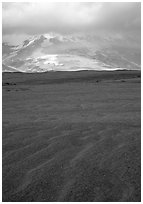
{"x": 8, "y": 84}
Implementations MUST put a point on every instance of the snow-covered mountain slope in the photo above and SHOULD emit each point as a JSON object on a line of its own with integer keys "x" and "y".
{"x": 6, "y": 68}
{"x": 57, "y": 52}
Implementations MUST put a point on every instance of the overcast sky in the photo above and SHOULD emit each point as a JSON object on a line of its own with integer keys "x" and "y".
{"x": 20, "y": 19}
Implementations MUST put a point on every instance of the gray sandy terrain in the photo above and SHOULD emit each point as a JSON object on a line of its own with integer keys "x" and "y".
{"x": 72, "y": 136}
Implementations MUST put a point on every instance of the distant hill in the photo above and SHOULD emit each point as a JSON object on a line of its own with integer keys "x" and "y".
{"x": 55, "y": 52}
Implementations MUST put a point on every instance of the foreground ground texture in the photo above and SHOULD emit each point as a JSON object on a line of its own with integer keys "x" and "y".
{"x": 71, "y": 136}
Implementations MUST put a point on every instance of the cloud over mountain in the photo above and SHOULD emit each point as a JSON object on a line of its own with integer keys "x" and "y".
{"x": 36, "y": 18}
{"x": 92, "y": 34}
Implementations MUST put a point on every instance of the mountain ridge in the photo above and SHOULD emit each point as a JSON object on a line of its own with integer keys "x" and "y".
{"x": 56, "y": 52}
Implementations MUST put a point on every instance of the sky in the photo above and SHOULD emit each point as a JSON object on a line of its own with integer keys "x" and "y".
{"x": 23, "y": 19}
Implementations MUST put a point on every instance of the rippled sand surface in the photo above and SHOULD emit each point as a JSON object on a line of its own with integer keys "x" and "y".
{"x": 71, "y": 140}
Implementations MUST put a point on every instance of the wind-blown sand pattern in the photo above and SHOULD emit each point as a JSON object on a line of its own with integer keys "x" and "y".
{"x": 71, "y": 136}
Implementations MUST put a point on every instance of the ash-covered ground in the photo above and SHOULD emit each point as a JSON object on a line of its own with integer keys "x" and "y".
{"x": 71, "y": 136}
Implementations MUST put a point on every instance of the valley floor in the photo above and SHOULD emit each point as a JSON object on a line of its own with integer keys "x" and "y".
{"x": 71, "y": 136}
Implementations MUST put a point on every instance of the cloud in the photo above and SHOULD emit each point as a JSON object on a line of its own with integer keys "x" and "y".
{"x": 120, "y": 16}
{"x": 35, "y": 18}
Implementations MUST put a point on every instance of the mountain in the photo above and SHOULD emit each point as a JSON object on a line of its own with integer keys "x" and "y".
{"x": 9, "y": 68}
{"x": 55, "y": 52}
